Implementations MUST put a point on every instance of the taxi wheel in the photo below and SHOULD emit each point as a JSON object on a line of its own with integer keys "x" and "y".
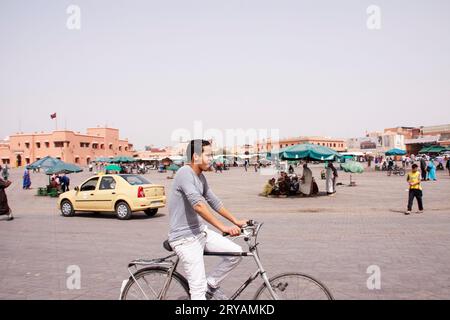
{"x": 67, "y": 208}
{"x": 151, "y": 212}
{"x": 123, "y": 211}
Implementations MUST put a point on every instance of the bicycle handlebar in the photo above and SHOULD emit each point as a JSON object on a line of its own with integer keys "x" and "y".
{"x": 250, "y": 223}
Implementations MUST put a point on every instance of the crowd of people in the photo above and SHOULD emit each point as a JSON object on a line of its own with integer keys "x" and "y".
{"x": 290, "y": 184}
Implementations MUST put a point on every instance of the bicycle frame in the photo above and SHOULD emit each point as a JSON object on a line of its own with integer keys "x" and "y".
{"x": 173, "y": 264}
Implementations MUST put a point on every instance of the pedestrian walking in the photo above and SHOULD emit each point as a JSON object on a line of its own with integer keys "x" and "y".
{"x": 415, "y": 189}
{"x": 431, "y": 168}
{"x": 447, "y": 164}
{"x": 331, "y": 176}
{"x": 26, "y": 180}
{"x": 5, "y": 173}
{"x": 423, "y": 168}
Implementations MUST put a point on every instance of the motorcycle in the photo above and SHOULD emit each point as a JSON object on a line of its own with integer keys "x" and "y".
{"x": 396, "y": 170}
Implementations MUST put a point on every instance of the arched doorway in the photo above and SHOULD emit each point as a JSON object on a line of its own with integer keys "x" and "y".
{"x": 19, "y": 160}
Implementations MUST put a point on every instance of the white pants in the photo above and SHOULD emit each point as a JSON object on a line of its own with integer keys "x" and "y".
{"x": 191, "y": 251}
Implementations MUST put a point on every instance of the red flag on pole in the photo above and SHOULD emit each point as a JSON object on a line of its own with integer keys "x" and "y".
{"x": 53, "y": 116}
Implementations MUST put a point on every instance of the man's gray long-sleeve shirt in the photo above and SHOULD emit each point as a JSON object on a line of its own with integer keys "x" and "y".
{"x": 189, "y": 189}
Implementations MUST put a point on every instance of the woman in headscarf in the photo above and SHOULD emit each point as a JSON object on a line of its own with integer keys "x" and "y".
{"x": 431, "y": 170}
{"x": 26, "y": 180}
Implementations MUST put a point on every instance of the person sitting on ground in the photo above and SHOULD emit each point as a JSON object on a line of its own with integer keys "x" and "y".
{"x": 268, "y": 187}
{"x": 284, "y": 184}
{"x": 295, "y": 185}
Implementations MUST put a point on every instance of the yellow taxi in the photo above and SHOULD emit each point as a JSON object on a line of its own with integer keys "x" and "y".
{"x": 119, "y": 193}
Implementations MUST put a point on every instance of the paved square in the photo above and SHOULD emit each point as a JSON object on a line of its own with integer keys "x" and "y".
{"x": 334, "y": 239}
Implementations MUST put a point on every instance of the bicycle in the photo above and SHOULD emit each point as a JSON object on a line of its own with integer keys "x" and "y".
{"x": 159, "y": 279}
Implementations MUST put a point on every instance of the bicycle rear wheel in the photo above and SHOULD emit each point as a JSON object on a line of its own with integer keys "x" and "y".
{"x": 150, "y": 282}
{"x": 294, "y": 286}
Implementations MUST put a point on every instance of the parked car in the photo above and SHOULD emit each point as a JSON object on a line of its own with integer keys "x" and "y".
{"x": 119, "y": 193}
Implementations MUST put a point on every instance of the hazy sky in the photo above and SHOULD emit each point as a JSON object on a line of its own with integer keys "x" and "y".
{"x": 150, "y": 67}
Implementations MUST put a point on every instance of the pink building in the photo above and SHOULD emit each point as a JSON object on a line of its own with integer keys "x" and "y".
{"x": 72, "y": 147}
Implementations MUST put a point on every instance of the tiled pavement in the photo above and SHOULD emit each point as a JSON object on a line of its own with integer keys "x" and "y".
{"x": 332, "y": 238}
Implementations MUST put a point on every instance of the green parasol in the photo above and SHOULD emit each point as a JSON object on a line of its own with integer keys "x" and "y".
{"x": 308, "y": 151}
{"x": 63, "y": 167}
{"x": 113, "y": 167}
{"x": 395, "y": 152}
{"x": 352, "y": 167}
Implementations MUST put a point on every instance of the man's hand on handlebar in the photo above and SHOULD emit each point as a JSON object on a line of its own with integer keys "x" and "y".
{"x": 233, "y": 231}
{"x": 241, "y": 223}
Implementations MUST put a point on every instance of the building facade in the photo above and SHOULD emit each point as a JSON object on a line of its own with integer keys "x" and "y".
{"x": 377, "y": 142}
{"x": 339, "y": 145}
{"x": 411, "y": 139}
{"x": 429, "y": 135}
{"x": 73, "y": 147}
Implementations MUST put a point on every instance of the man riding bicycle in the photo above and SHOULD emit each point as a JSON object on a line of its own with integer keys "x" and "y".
{"x": 189, "y": 236}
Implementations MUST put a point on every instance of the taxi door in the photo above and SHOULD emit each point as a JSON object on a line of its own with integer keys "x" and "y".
{"x": 85, "y": 197}
{"x": 106, "y": 194}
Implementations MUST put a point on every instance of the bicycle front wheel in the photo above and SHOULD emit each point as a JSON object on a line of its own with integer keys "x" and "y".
{"x": 150, "y": 283}
{"x": 295, "y": 286}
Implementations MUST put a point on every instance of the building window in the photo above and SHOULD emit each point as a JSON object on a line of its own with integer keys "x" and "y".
{"x": 94, "y": 146}
{"x": 27, "y": 145}
{"x": 120, "y": 148}
{"x": 102, "y": 146}
{"x": 77, "y": 160}
{"x": 110, "y": 146}
{"x": 38, "y": 145}
{"x": 126, "y": 148}
{"x": 334, "y": 145}
{"x": 59, "y": 144}
{"x": 47, "y": 144}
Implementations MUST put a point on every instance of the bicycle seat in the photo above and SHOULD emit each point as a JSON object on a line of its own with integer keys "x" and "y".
{"x": 167, "y": 246}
